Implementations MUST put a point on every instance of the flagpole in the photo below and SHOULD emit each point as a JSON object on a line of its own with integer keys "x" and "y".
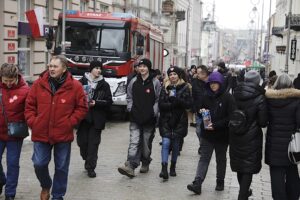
{"x": 63, "y": 48}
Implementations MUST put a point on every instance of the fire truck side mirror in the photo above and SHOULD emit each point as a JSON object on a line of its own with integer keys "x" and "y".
{"x": 166, "y": 52}
{"x": 49, "y": 38}
{"x": 140, "y": 41}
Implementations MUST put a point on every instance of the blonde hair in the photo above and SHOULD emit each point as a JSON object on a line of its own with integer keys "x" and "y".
{"x": 9, "y": 70}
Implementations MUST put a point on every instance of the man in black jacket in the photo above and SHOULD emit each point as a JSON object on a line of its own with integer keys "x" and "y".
{"x": 228, "y": 82}
{"x": 89, "y": 130}
{"x": 198, "y": 92}
{"x": 142, "y": 103}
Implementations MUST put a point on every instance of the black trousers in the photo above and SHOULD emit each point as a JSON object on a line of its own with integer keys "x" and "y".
{"x": 285, "y": 182}
{"x": 88, "y": 140}
{"x": 244, "y": 182}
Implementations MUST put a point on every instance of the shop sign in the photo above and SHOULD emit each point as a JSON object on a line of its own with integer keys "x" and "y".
{"x": 293, "y": 49}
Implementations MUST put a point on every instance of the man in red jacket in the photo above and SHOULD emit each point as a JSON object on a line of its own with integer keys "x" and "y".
{"x": 55, "y": 104}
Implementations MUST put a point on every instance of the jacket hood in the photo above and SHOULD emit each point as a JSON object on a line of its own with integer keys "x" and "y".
{"x": 89, "y": 78}
{"x": 283, "y": 93}
{"x": 216, "y": 77}
{"x": 247, "y": 90}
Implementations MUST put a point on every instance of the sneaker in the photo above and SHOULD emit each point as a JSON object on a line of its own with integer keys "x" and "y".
{"x": 220, "y": 185}
{"x": 45, "y": 194}
{"x": 195, "y": 187}
{"x": 144, "y": 168}
{"x": 92, "y": 174}
{"x": 127, "y": 171}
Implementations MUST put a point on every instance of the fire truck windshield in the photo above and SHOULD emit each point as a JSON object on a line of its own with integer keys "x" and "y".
{"x": 95, "y": 40}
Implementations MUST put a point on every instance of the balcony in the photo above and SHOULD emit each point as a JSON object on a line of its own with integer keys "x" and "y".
{"x": 277, "y": 31}
{"x": 295, "y": 22}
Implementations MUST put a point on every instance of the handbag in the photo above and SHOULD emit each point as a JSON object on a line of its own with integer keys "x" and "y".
{"x": 14, "y": 129}
{"x": 294, "y": 148}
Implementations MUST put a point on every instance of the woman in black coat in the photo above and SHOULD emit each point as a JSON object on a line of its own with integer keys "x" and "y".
{"x": 174, "y": 99}
{"x": 284, "y": 118}
{"x": 89, "y": 130}
{"x": 246, "y": 148}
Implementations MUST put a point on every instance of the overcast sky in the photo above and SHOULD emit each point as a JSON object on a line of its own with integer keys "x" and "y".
{"x": 235, "y": 14}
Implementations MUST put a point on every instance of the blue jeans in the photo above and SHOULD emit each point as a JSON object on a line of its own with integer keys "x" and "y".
{"x": 41, "y": 158}
{"x": 207, "y": 149}
{"x": 166, "y": 143}
{"x": 140, "y": 145}
{"x": 13, "y": 152}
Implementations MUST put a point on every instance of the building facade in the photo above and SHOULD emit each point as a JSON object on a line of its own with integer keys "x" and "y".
{"x": 278, "y": 40}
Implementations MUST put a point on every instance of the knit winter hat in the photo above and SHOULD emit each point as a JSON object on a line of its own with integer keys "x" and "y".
{"x": 174, "y": 69}
{"x": 146, "y": 62}
{"x": 216, "y": 77}
{"x": 252, "y": 76}
{"x": 94, "y": 64}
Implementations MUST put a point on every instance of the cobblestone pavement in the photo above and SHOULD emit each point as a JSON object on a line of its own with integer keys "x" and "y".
{"x": 109, "y": 184}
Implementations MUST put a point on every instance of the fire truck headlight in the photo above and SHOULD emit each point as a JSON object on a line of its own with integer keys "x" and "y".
{"x": 121, "y": 89}
{"x": 83, "y": 59}
{"x": 76, "y": 58}
{"x": 90, "y": 59}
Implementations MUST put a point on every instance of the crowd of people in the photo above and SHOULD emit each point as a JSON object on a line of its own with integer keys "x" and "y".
{"x": 56, "y": 104}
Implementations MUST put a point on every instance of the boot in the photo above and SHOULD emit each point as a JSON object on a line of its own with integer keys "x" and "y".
{"x": 164, "y": 171}
{"x": 9, "y": 198}
{"x": 241, "y": 197}
{"x": 1, "y": 187}
{"x": 144, "y": 168}
{"x": 127, "y": 170}
{"x": 195, "y": 187}
{"x": 92, "y": 173}
{"x": 220, "y": 185}
{"x": 45, "y": 194}
{"x": 172, "y": 169}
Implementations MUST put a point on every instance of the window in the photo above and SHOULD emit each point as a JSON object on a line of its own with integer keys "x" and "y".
{"x": 151, "y": 49}
{"x": 24, "y": 55}
{"x": 103, "y": 8}
{"x": 83, "y": 5}
{"x": 23, "y": 6}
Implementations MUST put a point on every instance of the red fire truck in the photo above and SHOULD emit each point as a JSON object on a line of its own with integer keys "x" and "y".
{"x": 116, "y": 39}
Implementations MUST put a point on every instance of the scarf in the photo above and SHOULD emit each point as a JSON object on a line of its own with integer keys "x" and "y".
{"x": 55, "y": 84}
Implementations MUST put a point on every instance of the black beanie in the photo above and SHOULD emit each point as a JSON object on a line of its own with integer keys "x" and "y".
{"x": 146, "y": 62}
{"x": 222, "y": 65}
{"x": 94, "y": 64}
{"x": 174, "y": 69}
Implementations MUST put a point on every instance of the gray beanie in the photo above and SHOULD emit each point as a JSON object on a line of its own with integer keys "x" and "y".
{"x": 252, "y": 76}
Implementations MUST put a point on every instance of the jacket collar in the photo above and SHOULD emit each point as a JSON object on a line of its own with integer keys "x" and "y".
{"x": 65, "y": 86}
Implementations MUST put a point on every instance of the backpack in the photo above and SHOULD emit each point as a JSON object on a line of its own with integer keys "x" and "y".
{"x": 238, "y": 122}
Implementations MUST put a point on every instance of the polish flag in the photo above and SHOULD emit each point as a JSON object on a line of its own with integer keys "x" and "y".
{"x": 36, "y": 19}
